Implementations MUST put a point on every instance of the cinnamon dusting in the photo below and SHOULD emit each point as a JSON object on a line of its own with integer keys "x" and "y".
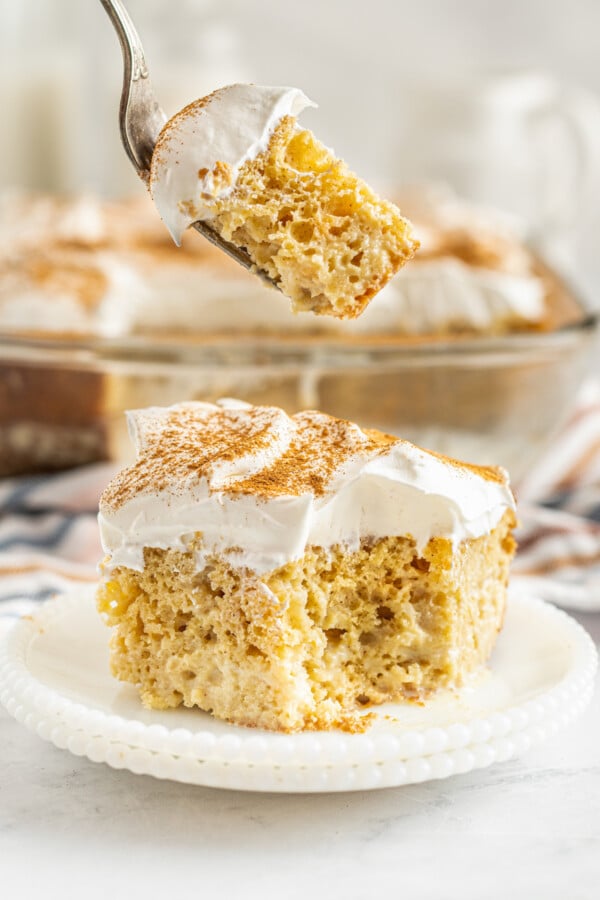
{"x": 193, "y": 440}
{"x": 322, "y": 444}
{"x": 270, "y": 453}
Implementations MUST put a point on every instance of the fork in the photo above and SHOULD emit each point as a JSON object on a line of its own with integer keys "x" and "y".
{"x": 141, "y": 120}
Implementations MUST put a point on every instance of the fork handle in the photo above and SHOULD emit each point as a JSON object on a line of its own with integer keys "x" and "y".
{"x": 138, "y": 136}
{"x": 134, "y": 61}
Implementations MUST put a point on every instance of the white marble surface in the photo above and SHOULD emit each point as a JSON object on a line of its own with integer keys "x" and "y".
{"x": 529, "y": 828}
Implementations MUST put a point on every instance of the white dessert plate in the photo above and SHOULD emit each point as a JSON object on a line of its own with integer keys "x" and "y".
{"x": 55, "y": 679}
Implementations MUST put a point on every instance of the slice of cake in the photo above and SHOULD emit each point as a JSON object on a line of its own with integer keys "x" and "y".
{"x": 287, "y": 572}
{"x": 473, "y": 275}
{"x": 238, "y": 161}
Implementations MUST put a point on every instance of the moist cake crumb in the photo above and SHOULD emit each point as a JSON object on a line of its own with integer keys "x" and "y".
{"x": 291, "y": 573}
{"x": 318, "y": 231}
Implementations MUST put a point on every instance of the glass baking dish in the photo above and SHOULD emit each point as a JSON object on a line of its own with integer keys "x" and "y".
{"x": 488, "y": 400}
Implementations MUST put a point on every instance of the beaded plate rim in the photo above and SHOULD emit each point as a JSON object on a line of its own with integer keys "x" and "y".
{"x": 221, "y": 755}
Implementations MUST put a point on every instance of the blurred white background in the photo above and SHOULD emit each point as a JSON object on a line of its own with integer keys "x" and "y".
{"x": 375, "y": 68}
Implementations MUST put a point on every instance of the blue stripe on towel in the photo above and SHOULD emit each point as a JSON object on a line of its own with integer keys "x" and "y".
{"x": 593, "y": 514}
{"x": 555, "y": 501}
{"x": 23, "y": 487}
{"x": 36, "y": 596}
{"x": 45, "y": 541}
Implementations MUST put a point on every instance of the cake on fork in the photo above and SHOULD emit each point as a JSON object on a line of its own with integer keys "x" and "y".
{"x": 287, "y": 572}
{"x": 239, "y": 161}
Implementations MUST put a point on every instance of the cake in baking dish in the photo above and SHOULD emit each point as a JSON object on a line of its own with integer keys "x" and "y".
{"x": 288, "y": 572}
{"x": 238, "y": 161}
{"x": 72, "y": 267}
{"x": 78, "y": 268}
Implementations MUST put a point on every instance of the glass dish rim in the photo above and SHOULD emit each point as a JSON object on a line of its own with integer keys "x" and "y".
{"x": 255, "y": 350}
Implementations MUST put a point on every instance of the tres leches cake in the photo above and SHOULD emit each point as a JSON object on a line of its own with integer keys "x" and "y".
{"x": 286, "y": 572}
{"x": 238, "y": 161}
{"x": 79, "y": 266}
{"x": 79, "y": 269}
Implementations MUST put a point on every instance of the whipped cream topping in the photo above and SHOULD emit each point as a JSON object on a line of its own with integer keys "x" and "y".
{"x": 261, "y": 486}
{"x": 83, "y": 266}
{"x": 59, "y": 271}
{"x": 30, "y": 220}
{"x": 202, "y": 148}
{"x": 443, "y": 294}
{"x": 429, "y": 297}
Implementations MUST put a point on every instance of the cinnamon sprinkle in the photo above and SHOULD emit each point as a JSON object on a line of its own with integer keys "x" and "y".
{"x": 270, "y": 454}
{"x": 194, "y": 440}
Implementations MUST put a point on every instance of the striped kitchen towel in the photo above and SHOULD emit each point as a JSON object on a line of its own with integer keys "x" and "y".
{"x": 559, "y": 510}
{"x": 49, "y": 536}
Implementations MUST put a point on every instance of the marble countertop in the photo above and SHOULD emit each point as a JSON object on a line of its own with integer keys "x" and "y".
{"x": 529, "y": 828}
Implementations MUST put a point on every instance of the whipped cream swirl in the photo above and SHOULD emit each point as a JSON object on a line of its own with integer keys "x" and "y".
{"x": 202, "y": 148}
{"x": 445, "y": 294}
{"x": 261, "y": 486}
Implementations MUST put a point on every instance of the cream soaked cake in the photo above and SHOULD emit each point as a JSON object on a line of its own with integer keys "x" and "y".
{"x": 238, "y": 161}
{"x": 286, "y": 572}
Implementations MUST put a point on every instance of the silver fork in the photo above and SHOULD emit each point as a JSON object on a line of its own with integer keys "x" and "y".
{"x": 141, "y": 120}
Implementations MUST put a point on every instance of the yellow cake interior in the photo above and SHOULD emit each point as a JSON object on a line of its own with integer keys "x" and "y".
{"x": 315, "y": 642}
{"x": 322, "y": 234}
